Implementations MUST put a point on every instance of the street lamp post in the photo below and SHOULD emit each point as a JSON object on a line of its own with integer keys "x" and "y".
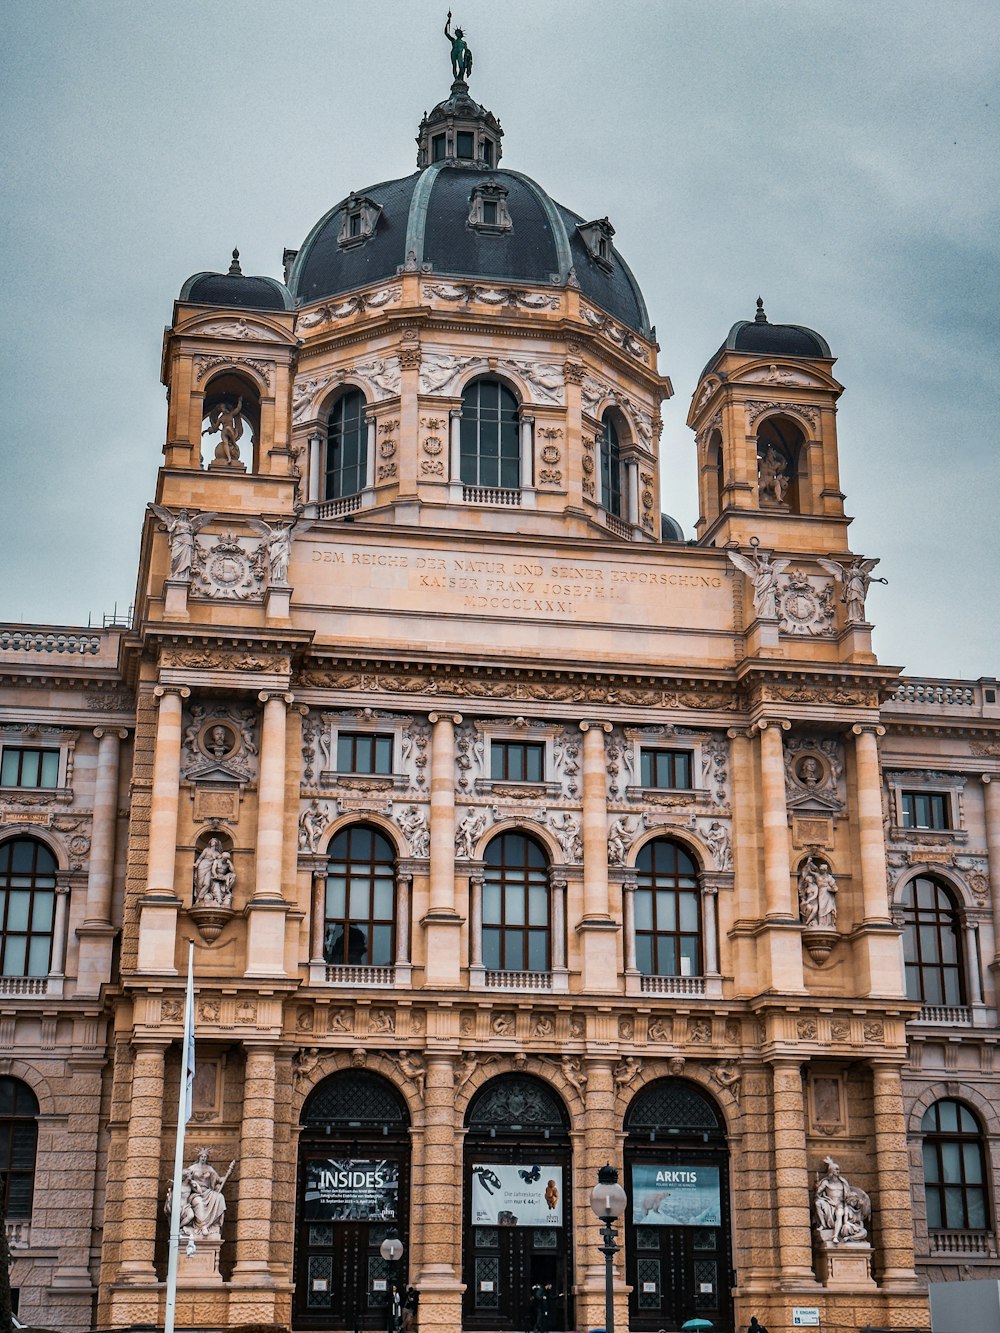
{"x": 607, "y": 1201}
{"x": 391, "y": 1251}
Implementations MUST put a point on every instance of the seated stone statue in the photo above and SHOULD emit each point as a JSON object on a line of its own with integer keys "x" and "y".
{"x": 842, "y": 1209}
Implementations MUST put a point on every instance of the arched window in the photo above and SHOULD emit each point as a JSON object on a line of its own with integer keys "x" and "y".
{"x": 931, "y": 944}
{"x": 27, "y": 907}
{"x": 954, "y": 1169}
{"x": 667, "y": 916}
{"x": 231, "y": 421}
{"x": 18, "y": 1145}
{"x": 611, "y": 467}
{"x": 490, "y": 449}
{"x": 516, "y": 930}
{"x": 779, "y": 450}
{"x": 360, "y": 910}
{"x": 346, "y": 446}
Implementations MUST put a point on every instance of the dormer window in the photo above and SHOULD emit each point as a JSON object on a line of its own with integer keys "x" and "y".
{"x": 596, "y": 237}
{"x": 358, "y": 221}
{"x": 465, "y": 145}
{"x": 439, "y": 148}
{"x": 488, "y": 208}
{"x": 487, "y": 152}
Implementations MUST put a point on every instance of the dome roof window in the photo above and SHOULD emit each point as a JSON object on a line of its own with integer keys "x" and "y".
{"x": 359, "y": 219}
{"x": 488, "y": 212}
{"x": 597, "y": 238}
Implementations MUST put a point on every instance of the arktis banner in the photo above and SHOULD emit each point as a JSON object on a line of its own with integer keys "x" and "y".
{"x": 676, "y": 1196}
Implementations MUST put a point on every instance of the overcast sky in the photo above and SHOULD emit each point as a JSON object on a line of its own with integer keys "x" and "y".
{"x": 839, "y": 159}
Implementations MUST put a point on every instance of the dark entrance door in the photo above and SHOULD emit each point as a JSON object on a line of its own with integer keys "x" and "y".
{"x": 517, "y": 1208}
{"x": 353, "y": 1192}
{"x": 677, "y": 1233}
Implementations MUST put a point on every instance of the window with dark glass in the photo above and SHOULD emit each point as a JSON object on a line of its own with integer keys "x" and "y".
{"x": 438, "y": 148}
{"x": 517, "y": 761}
{"x": 665, "y": 768}
{"x": 611, "y": 468}
{"x": 515, "y": 905}
{"x": 360, "y": 909}
{"x": 488, "y": 152}
{"x": 489, "y": 212}
{"x": 667, "y": 915}
{"x": 930, "y": 810}
{"x": 954, "y": 1169}
{"x": 354, "y": 224}
{"x": 25, "y": 766}
{"x": 27, "y": 907}
{"x": 931, "y": 944}
{"x": 363, "y": 752}
{"x": 18, "y": 1147}
{"x": 465, "y": 142}
{"x": 346, "y": 446}
{"x": 490, "y": 449}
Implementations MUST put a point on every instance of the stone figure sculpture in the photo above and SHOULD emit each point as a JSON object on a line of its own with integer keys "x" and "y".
{"x": 202, "y": 1202}
{"x": 842, "y": 1209}
{"x": 774, "y": 479}
{"x": 414, "y": 825}
{"x": 461, "y": 56}
{"x": 717, "y": 838}
{"x": 181, "y": 528}
{"x": 214, "y": 876}
{"x": 468, "y": 833}
{"x": 763, "y": 573}
{"x": 856, "y": 579}
{"x": 277, "y": 547}
{"x": 620, "y": 836}
{"x": 228, "y": 421}
{"x": 312, "y": 823}
{"x": 817, "y": 895}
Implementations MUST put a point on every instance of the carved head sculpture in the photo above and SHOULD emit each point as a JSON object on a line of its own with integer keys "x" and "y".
{"x": 220, "y": 741}
{"x": 810, "y": 772}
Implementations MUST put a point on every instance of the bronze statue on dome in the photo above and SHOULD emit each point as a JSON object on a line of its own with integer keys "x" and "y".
{"x": 461, "y": 56}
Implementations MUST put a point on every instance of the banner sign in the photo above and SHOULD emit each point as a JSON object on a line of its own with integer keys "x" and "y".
{"x": 351, "y": 1191}
{"x": 517, "y": 1196}
{"x": 676, "y": 1196}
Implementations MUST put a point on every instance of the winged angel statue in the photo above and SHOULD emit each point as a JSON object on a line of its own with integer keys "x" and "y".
{"x": 763, "y": 573}
{"x": 856, "y": 579}
{"x": 277, "y": 546}
{"x": 181, "y": 528}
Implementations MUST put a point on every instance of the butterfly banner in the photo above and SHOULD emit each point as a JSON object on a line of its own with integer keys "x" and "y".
{"x": 517, "y": 1196}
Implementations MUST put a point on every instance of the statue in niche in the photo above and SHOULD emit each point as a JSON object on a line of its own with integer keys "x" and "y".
{"x": 312, "y": 824}
{"x": 220, "y": 741}
{"x": 468, "y": 833}
{"x": 773, "y": 476}
{"x": 414, "y": 825}
{"x": 621, "y": 835}
{"x": 842, "y": 1209}
{"x": 228, "y": 421}
{"x": 763, "y": 573}
{"x": 202, "y": 1202}
{"x": 181, "y": 529}
{"x": 717, "y": 838}
{"x": 809, "y": 772}
{"x": 461, "y": 56}
{"x": 817, "y": 895}
{"x": 214, "y": 876}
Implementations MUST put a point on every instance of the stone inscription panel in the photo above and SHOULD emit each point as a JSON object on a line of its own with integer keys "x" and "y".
{"x": 645, "y": 590}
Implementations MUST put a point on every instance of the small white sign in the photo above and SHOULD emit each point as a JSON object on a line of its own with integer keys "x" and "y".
{"x": 378, "y": 1284}
{"x": 649, "y": 1287}
{"x": 706, "y": 1289}
{"x": 486, "y": 1286}
{"x": 805, "y": 1316}
{"x": 320, "y": 1284}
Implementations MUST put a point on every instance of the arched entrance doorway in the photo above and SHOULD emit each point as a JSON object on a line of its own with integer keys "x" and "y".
{"x": 677, "y": 1228}
{"x": 518, "y": 1206}
{"x": 353, "y": 1191}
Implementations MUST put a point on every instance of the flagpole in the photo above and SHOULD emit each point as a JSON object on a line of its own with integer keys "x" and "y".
{"x": 183, "y": 1116}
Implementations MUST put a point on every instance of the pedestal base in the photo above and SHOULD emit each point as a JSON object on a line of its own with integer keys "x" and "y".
{"x": 200, "y": 1269}
{"x": 846, "y": 1265}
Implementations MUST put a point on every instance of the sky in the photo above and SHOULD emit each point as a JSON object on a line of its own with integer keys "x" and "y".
{"x": 838, "y": 159}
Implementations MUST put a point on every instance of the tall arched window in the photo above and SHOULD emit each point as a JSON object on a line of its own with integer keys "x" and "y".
{"x": 516, "y": 928}
{"x": 611, "y": 467}
{"x": 954, "y": 1169}
{"x": 931, "y": 944}
{"x": 667, "y": 916}
{"x": 27, "y": 907}
{"x": 18, "y": 1145}
{"x": 346, "y": 446}
{"x": 779, "y": 453}
{"x": 490, "y": 448}
{"x": 360, "y": 909}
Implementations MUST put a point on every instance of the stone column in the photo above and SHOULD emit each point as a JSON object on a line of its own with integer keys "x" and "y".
{"x": 560, "y": 974}
{"x": 774, "y": 821}
{"x": 166, "y": 791}
{"x": 894, "y": 1255}
{"x": 601, "y": 1142}
{"x": 267, "y": 908}
{"x": 315, "y": 449}
{"x": 141, "y": 1186}
{"x": 476, "y": 920}
{"x": 455, "y": 446}
{"x": 991, "y": 800}
{"x": 527, "y": 451}
{"x": 791, "y": 1174}
{"x": 254, "y": 1219}
{"x": 442, "y": 922}
{"x": 437, "y": 1193}
{"x": 404, "y": 885}
{"x": 972, "y": 970}
{"x": 710, "y": 927}
{"x": 318, "y": 900}
{"x": 628, "y": 925}
{"x": 871, "y": 837}
{"x": 632, "y": 490}
{"x": 100, "y": 879}
{"x": 57, "y": 962}
{"x": 370, "y": 453}
{"x": 598, "y": 928}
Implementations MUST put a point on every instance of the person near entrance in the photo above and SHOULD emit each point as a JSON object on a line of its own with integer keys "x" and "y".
{"x": 754, "y": 1326}
{"x": 410, "y": 1302}
{"x": 394, "y": 1314}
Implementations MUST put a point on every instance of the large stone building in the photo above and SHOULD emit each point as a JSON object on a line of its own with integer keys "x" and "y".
{"x": 515, "y": 834}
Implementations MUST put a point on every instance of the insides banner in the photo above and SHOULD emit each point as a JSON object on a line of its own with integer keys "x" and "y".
{"x": 676, "y": 1196}
{"x": 517, "y": 1196}
{"x": 351, "y": 1191}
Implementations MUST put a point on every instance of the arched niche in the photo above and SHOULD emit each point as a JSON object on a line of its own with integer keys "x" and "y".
{"x": 231, "y": 422}
{"x": 353, "y": 1191}
{"x": 781, "y": 458}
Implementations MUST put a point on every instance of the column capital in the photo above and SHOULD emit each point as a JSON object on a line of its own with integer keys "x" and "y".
{"x": 433, "y": 718}
{"x": 630, "y": 885}
{"x": 600, "y": 726}
{"x": 558, "y": 882}
{"x": 120, "y": 732}
{"x": 266, "y": 696}
{"x": 875, "y": 728}
{"x": 314, "y": 435}
{"x": 740, "y": 733}
{"x": 161, "y": 691}
{"x": 455, "y": 413}
{"x": 762, "y": 724}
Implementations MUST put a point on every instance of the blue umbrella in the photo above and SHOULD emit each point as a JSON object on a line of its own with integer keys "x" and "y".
{"x": 697, "y": 1323}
